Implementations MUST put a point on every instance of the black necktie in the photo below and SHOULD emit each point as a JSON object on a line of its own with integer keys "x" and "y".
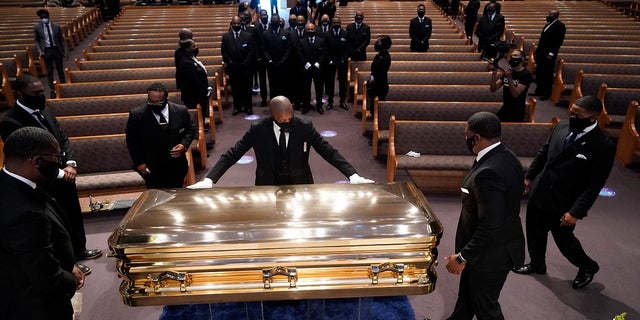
{"x": 420, "y": 20}
{"x": 357, "y": 27}
{"x": 570, "y": 139}
{"x": 236, "y": 35}
{"x": 311, "y": 40}
{"x": 162, "y": 121}
{"x": 42, "y": 120}
{"x": 282, "y": 142}
{"x": 51, "y": 42}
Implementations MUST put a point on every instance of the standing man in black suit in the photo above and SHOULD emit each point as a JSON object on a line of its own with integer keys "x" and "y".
{"x": 192, "y": 75}
{"x": 563, "y": 182}
{"x": 276, "y": 49}
{"x": 281, "y": 144}
{"x": 420, "y": 31}
{"x": 551, "y": 39}
{"x": 378, "y": 83}
{"x": 37, "y": 254}
{"x": 30, "y": 111}
{"x": 312, "y": 55}
{"x": 489, "y": 31}
{"x": 238, "y": 54}
{"x": 338, "y": 46}
{"x": 158, "y": 135}
{"x": 261, "y": 63}
{"x": 489, "y": 239}
{"x": 52, "y": 47}
{"x": 359, "y": 36}
{"x": 471, "y": 17}
{"x": 184, "y": 35}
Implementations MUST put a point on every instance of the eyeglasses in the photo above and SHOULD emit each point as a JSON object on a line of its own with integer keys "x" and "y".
{"x": 155, "y": 103}
{"x": 57, "y": 157}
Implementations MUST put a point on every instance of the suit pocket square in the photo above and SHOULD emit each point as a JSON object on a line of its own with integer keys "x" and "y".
{"x": 464, "y": 190}
{"x": 581, "y": 156}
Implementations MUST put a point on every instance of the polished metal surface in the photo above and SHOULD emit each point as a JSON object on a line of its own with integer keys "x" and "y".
{"x": 243, "y": 243}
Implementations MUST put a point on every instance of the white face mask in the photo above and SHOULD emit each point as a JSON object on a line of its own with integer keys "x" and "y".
{"x": 45, "y": 20}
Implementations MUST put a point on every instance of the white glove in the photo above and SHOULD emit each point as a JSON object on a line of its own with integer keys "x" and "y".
{"x": 356, "y": 179}
{"x": 205, "y": 183}
{"x": 307, "y": 66}
{"x": 209, "y": 91}
{"x": 317, "y": 65}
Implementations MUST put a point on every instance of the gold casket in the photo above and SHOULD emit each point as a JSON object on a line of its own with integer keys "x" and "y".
{"x": 234, "y": 244}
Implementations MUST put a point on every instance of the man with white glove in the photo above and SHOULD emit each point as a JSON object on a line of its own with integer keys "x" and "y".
{"x": 281, "y": 144}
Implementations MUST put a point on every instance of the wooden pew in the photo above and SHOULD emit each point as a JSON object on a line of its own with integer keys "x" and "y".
{"x": 5, "y": 87}
{"x": 628, "y": 149}
{"x": 615, "y": 101}
{"x": 589, "y": 83}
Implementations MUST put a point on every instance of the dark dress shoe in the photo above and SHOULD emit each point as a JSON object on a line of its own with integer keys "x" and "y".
{"x": 528, "y": 269}
{"x": 305, "y": 110}
{"x": 330, "y": 106}
{"x": 53, "y": 94}
{"x": 86, "y": 270}
{"x": 90, "y": 254}
{"x": 344, "y": 106}
{"x": 319, "y": 108}
{"x": 543, "y": 98}
{"x": 584, "y": 277}
{"x": 235, "y": 112}
{"x": 249, "y": 111}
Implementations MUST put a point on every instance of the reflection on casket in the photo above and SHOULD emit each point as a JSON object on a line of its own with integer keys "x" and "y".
{"x": 276, "y": 243}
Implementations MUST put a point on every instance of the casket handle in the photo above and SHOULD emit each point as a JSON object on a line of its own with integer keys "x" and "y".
{"x": 396, "y": 268}
{"x": 269, "y": 273}
{"x": 182, "y": 277}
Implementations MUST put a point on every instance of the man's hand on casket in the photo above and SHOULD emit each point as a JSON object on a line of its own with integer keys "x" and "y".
{"x": 205, "y": 183}
{"x": 356, "y": 179}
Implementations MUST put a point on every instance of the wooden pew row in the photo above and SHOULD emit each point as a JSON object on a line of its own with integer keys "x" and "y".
{"x": 428, "y": 110}
{"x": 566, "y": 73}
{"x": 123, "y": 55}
{"x": 6, "y": 92}
{"x": 628, "y": 148}
{"x": 444, "y": 157}
{"x": 140, "y": 63}
{"x": 615, "y": 102}
{"x": 590, "y": 83}
{"x": 166, "y": 45}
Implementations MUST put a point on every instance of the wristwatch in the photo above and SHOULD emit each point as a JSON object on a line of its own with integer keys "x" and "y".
{"x": 72, "y": 164}
{"x": 460, "y": 259}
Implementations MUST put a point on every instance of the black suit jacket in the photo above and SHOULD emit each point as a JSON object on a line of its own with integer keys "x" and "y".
{"x": 193, "y": 81}
{"x": 569, "y": 179}
{"x": 359, "y": 39}
{"x": 36, "y": 254}
{"x": 17, "y": 117}
{"x": 490, "y": 31}
{"x": 238, "y": 54}
{"x": 276, "y": 47}
{"x": 56, "y": 33}
{"x": 337, "y": 46}
{"x": 551, "y": 40}
{"x": 489, "y": 234}
{"x": 311, "y": 53}
{"x": 420, "y": 32}
{"x": 144, "y": 136}
{"x": 379, "y": 70}
{"x": 261, "y": 137}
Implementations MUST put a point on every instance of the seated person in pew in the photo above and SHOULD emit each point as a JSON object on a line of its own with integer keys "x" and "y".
{"x": 282, "y": 144}
{"x": 378, "y": 85}
{"x": 158, "y": 135}
{"x": 515, "y": 81}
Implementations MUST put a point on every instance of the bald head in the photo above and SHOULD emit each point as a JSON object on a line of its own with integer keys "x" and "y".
{"x": 553, "y": 15}
{"x": 185, "y": 34}
{"x": 281, "y": 109}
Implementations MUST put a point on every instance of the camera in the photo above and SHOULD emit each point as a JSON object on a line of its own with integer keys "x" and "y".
{"x": 503, "y": 46}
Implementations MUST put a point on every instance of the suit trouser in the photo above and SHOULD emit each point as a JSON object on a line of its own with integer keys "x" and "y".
{"x": 539, "y": 223}
{"x": 278, "y": 81}
{"x": 54, "y": 56}
{"x": 66, "y": 195}
{"x": 468, "y": 26}
{"x": 544, "y": 74}
{"x": 262, "y": 77}
{"x": 312, "y": 74}
{"x": 241, "y": 89}
{"x": 330, "y": 81}
{"x": 169, "y": 174}
{"x": 478, "y": 295}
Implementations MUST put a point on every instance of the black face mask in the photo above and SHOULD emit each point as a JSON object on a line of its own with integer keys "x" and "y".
{"x": 236, "y": 28}
{"x": 420, "y": 14}
{"x": 301, "y": 26}
{"x": 264, "y": 20}
{"x": 286, "y": 126}
{"x": 513, "y": 62}
{"x": 325, "y": 22}
{"x": 195, "y": 51}
{"x": 377, "y": 46}
{"x": 577, "y": 125}
{"x": 550, "y": 18}
{"x": 311, "y": 34}
{"x": 293, "y": 23}
{"x": 359, "y": 20}
{"x": 275, "y": 25}
{"x": 156, "y": 108}
{"x": 336, "y": 28}
{"x": 49, "y": 170}
{"x": 491, "y": 11}
{"x": 471, "y": 143}
{"x": 36, "y": 102}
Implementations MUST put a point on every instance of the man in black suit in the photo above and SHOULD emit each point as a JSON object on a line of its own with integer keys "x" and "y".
{"x": 359, "y": 36}
{"x": 37, "y": 254}
{"x": 295, "y": 86}
{"x": 184, "y": 35}
{"x": 238, "y": 54}
{"x": 276, "y": 50}
{"x": 420, "y": 31}
{"x": 564, "y": 181}
{"x": 312, "y": 55}
{"x": 378, "y": 83}
{"x": 489, "y": 239}
{"x": 471, "y": 17}
{"x": 261, "y": 63}
{"x": 551, "y": 39}
{"x": 30, "y": 111}
{"x": 489, "y": 31}
{"x": 324, "y": 26}
{"x": 498, "y": 7}
{"x": 52, "y": 47}
{"x": 281, "y": 144}
{"x": 192, "y": 75}
{"x": 158, "y": 135}
{"x": 338, "y": 45}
